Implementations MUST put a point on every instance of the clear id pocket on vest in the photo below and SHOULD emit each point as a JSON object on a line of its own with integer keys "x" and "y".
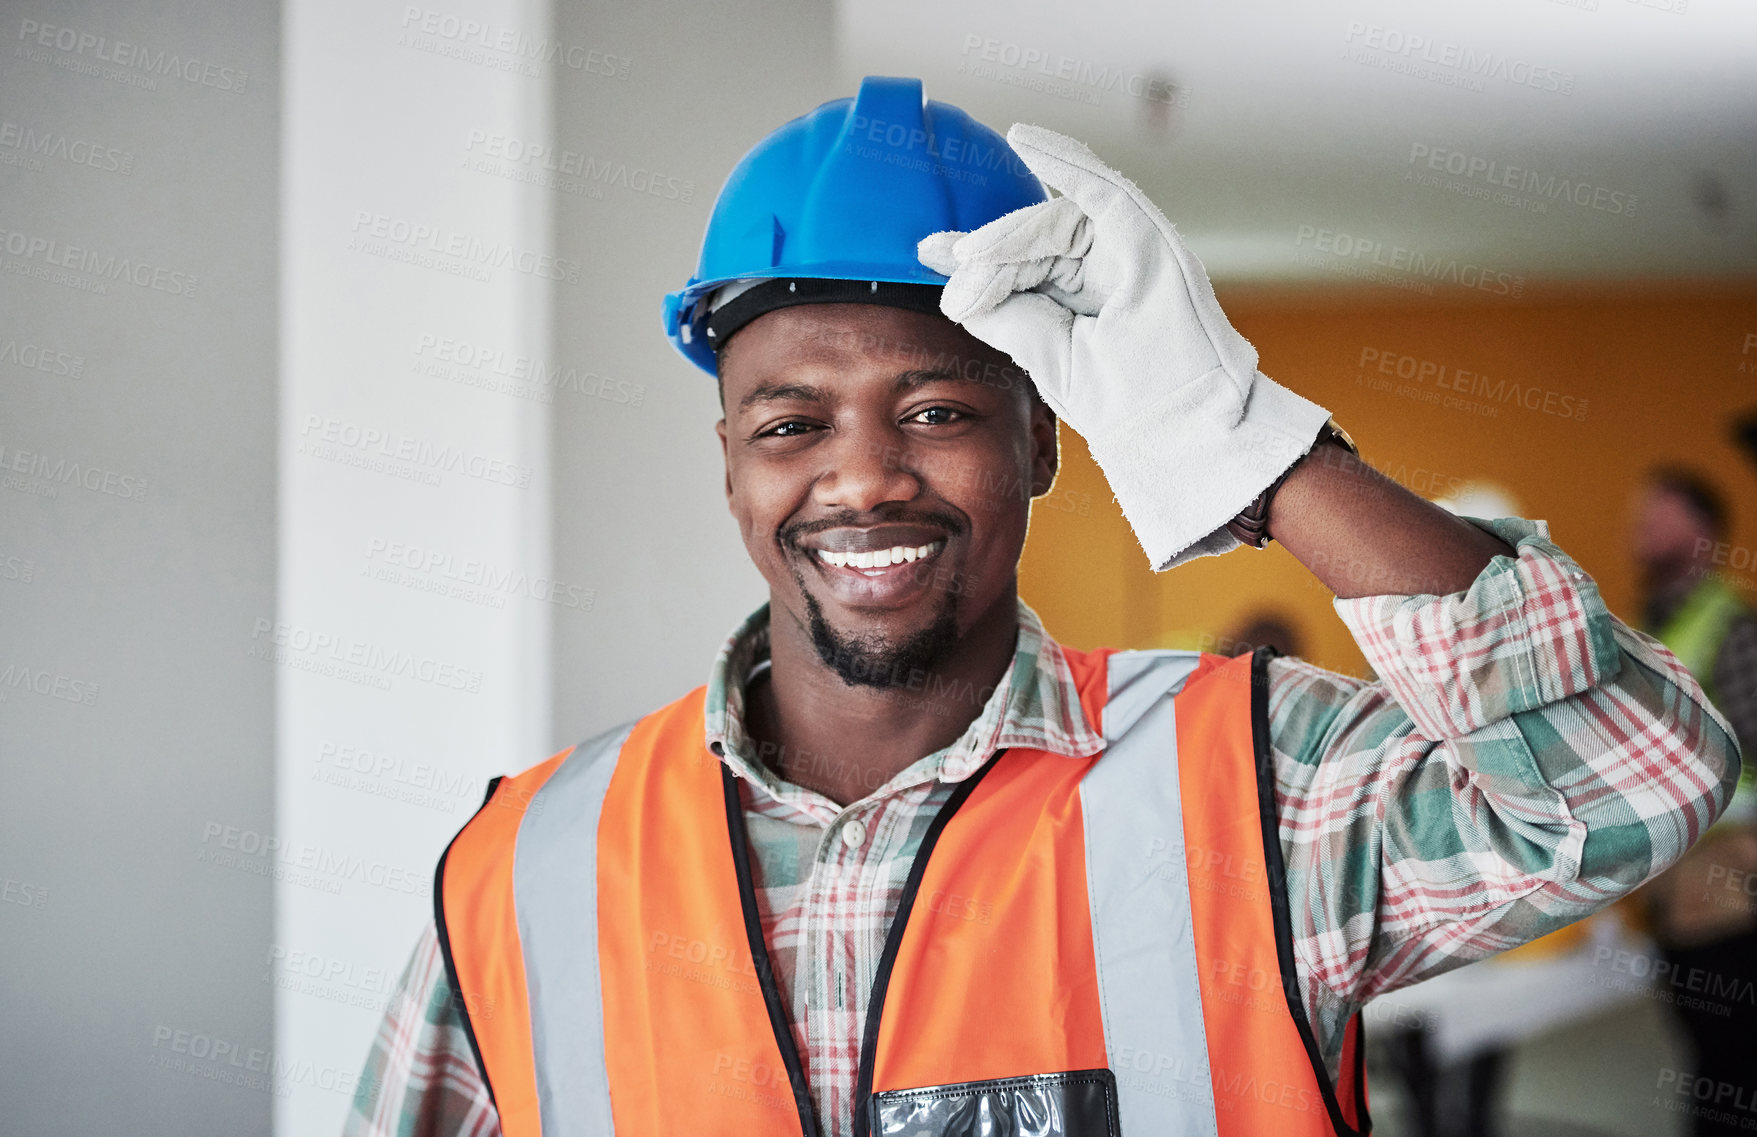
{"x": 1074, "y": 1103}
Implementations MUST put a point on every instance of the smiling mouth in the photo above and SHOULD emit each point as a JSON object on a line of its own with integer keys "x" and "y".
{"x": 877, "y": 562}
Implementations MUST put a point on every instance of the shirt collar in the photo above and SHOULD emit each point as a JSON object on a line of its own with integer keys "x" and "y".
{"x": 1036, "y": 705}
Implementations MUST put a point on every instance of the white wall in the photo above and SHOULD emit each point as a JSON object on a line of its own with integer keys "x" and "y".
{"x": 411, "y": 631}
{"x": 137, "y": 545}
{"x": 382, "y": 132}
{"x": 640, "y": 512}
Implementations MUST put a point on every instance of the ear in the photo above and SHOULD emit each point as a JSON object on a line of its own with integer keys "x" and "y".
{"x": 1045, "y": 446}
{"x": 725, "y": 457}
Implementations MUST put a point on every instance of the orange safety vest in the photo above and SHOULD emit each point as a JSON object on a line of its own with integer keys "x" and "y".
{"x": 1083, "y": 946}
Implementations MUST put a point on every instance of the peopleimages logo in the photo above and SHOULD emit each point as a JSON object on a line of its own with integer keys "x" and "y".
{"x": 959, "y": 157}
{"x": 354, "y": 766}
{"x": 51, "y": 684}
{"x": 295, "y": 645}
{"x": 399, "y": 238}
{"x": 49, "y": 252}
{"x": 1452, "y": 64}
{"x": 21, "y": 570}
{"x": 25, "y": 144}
{"x": 1367, "y": 252}
{"x": 470, "y": 575}
{"x": 35, "y": 357}
{"x": 518, "y": 373}
{"x": 401, "y": 455}
{"x": 209, "y": 1056}
{"x": 507, "y": 49}
{"x": 227, "y": 845}
{"x": 1459, "y": 388}
{"x": 511, "y": 152}
{"x": 1495, "y": 175}
{"x": 146, "y": 61}
{"x": 330, "y": 978}
{"x": 33, "y": 472}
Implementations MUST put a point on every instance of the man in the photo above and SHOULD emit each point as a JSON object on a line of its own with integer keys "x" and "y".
{"x": 906, "y": 865}
{"x": 1701, "y": 910}
{"x": 1680, "y": 530}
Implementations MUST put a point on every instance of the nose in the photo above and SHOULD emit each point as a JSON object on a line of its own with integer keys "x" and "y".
{"x": 865, "y": 469}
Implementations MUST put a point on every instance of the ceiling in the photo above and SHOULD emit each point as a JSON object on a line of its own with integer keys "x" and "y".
{"x": 1530, "y": 140}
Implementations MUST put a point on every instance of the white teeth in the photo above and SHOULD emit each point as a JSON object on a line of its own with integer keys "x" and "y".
{"x": 881, "y": 558}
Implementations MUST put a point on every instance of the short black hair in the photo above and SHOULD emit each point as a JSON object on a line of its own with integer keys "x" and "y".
{"x": 720, "y": 376}
{"x": 1706, "y": 501}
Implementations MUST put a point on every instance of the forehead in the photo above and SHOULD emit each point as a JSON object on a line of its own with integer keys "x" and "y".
{"x": 856, "y": 339}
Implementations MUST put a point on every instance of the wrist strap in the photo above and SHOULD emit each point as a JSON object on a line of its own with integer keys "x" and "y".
{"x": 1251, "y": 526}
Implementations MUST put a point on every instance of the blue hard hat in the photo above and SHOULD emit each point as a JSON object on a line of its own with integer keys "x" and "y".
{"x": 845, "y": 193}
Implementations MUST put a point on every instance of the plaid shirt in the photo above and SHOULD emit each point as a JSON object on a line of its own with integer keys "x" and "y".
{"x": 1523, "y": 759}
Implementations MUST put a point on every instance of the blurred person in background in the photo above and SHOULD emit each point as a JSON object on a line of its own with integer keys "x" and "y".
{"x": 1702, "y": 911}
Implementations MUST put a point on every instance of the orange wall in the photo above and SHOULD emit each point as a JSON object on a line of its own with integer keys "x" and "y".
{"x": 1656, "y": 372}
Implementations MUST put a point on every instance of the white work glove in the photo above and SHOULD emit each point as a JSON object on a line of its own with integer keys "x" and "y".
{"x": 1094, "y": 294}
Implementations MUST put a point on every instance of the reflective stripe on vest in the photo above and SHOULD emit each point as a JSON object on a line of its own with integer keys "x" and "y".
{"x": 1694, "y": 634}
{"x": 1105, "y": 940}
{"x": 1699, "y": 626}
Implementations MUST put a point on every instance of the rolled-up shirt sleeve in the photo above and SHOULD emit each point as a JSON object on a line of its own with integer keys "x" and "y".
{"x": 1523, "y": 759}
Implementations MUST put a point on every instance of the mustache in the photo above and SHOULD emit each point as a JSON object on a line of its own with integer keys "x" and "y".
{"x": 953, "y": 523}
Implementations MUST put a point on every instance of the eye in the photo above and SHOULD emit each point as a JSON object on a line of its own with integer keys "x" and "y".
{"x": 790, "y": 429}
{"x": 948, "y": 415}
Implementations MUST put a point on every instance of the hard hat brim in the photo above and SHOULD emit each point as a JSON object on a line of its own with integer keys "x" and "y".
{"x": 778, "y": 293}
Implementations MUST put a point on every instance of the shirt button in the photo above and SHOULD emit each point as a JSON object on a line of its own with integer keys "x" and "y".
{"x": 853, "y": 834}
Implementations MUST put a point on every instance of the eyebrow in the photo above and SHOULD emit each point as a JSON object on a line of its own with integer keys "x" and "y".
{"x": 806, "y": 392}
{"x": 781, "y": 392}
{"x": 921, "y": 377}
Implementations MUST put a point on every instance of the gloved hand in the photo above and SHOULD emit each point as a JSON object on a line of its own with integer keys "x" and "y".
{"x": 1094, "y": 294}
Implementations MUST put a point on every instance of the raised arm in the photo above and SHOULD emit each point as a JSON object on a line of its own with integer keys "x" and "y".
{"x": 1523, "y": 760}
{"x": 1363, "y": 534}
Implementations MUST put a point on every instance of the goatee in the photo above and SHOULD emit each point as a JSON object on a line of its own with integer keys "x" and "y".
{"x": 866, "y": 661}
